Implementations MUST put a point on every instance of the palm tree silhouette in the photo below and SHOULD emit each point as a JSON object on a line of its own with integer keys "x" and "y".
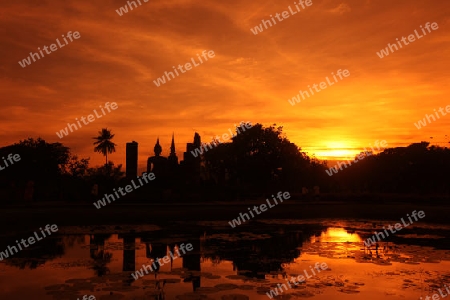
{"x": 104, "y": 144}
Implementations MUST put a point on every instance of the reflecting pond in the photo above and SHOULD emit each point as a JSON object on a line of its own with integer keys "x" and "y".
{"x": 241, "y": 263}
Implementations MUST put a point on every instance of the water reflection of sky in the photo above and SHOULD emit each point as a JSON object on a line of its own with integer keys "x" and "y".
{"x": 226, "y": 264}
{"x": 335, "y": 235}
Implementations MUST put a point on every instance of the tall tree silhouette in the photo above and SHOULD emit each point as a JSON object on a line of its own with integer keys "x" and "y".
{"x": 104, "y": 144}
{"x": 262, "y": 159}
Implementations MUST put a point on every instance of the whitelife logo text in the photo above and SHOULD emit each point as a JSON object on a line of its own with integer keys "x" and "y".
{"x": 411, "y": 38}
{"x": 90, "y": 119}
{"x": 124, "y": 9}
{"x": 397, "y": 226}
{"x": 361, "y": 156}
{"x": 263, "y": 207}
{"x": 16, "y": 158}
{"x": 128, "y": 189}
{"x": 423, "y": 123}
{"x": 166, "y": 259}
{"x": 187, "y": 66}
{"x": 285, "y": 14}
{"x": 323, "y": 85}
{"x": 27, "y": 61}
{"x": 300, "y": 278}
{"x": 49, "y": 229}
{"x": 225, "y": 136}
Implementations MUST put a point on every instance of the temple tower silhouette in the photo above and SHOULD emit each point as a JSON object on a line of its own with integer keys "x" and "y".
{"x": 157, "y": 164}
{"x": 173, "y": 158}
{"x": 132, "y": 160}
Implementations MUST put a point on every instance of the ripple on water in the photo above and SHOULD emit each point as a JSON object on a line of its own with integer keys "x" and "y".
{"x": 245, "y": 287}
{"x": 226, "y": 286}
{"x": 114, "y": 296}
{"x": 399, "y": 265}
{"x": 193, "y": 296}
{"x": 303, "y": 294}
{"x": 235, "y": 297}
{"x": 207, "y": 290}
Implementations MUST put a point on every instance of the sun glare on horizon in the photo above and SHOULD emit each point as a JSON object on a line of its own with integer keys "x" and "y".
{"x": 336, "y": 151}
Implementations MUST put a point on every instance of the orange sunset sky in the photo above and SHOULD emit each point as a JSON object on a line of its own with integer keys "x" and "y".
{"x": 250, "y": 78}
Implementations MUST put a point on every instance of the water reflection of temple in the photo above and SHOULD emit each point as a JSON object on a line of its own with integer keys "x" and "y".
{"x": 101, "y": 258}
{"x": 262, "y": 256}
{"x": 258, "y": 257}
{"x": 261, "y": 252}
{"x": 191, "y": 261}
{"x": 129, "y": 252}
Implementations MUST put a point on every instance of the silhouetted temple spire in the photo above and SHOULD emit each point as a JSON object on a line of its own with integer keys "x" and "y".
{"x": 197, "y": 140}
{"x": 172, "y": 146}
{"x": 157, "y": 148}
{"x": 173, "y": 159}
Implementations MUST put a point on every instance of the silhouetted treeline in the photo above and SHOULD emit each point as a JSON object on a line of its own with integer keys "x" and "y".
{"x": 48, "y": 171}
{"x": 417, "y": 168}
{"x": 39, "y": 169}
{"x": 262, "y": 160}
{"x": 256, "y": 163}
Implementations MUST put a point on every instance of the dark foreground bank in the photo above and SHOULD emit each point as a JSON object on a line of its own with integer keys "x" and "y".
{"x": 31, "y": 216}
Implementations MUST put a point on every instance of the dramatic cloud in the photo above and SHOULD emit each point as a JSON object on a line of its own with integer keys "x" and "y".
{"x": 250, "y": 78}
{"x": 341, "y": 9}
